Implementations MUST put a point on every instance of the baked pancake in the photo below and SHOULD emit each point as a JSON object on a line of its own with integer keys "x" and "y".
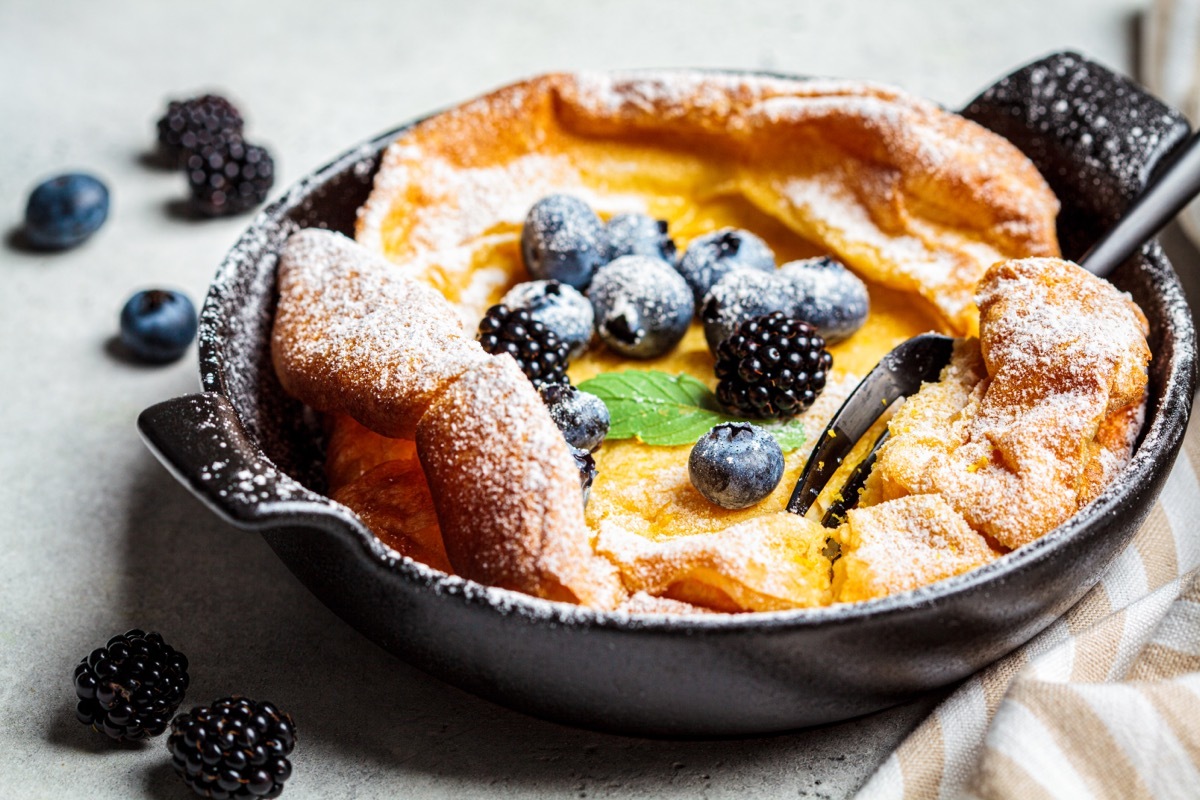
{"x": 917, "y": 201}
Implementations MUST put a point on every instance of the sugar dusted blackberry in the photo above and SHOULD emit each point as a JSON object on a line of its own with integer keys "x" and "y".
{"x": 229, "y": 177}
{"x": 773, "y": 366}
{"x": 234, "y": 748}
{"x": 191, "y": 125}
{"x": 541, "y": 355}
{"x": 129, "y": 688}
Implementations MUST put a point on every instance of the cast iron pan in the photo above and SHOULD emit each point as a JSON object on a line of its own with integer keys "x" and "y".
{"x": 253, "y": 454}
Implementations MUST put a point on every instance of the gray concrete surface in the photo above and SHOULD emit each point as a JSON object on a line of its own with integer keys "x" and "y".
{"x": 95, "y": 537}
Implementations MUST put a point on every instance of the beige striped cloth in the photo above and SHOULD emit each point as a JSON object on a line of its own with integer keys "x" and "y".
{"x": 1104, "y": 703}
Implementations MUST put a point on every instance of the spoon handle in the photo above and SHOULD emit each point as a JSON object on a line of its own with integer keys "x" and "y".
{"x": 1175, "y": 186}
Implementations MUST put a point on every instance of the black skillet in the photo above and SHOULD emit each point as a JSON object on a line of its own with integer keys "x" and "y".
{"x": 253, "y": 455}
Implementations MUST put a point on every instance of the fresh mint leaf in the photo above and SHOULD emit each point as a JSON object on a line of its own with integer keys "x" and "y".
{"x": 671, "y": 410}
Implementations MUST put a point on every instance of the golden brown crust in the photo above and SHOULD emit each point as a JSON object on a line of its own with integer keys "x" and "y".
{"x": 1025, "y": 448}
{"x": 507, "y": 491}
{"x": 903, "y": 544}
{"x": 768, "y": 563}
{"x": 907, "y": 194}
{"x": 352, "y": 336}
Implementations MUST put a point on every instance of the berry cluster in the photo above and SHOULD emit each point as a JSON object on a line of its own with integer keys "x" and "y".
{"x": 130, "y": 688}
{"x": 226, "y": 174}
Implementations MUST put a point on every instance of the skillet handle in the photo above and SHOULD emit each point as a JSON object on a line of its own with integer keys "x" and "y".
{"x": 199, "y": 439}
{"x": 1096, "y": 136}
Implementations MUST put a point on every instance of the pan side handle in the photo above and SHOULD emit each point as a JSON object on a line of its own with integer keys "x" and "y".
{"x": 199, "y": 440}
{"x": 1096, "y": 136}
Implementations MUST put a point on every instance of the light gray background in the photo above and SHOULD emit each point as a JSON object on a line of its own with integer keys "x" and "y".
{"x": 95, "y": 537}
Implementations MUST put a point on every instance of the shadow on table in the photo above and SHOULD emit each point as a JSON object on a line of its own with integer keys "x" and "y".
{"x": 366, "y": 718}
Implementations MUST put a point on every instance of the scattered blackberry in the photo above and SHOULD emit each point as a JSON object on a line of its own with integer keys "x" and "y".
{"x": 559, "y": 307}
{"x": 191, "y": 125}
{"x": 537, "y": 349}
{"x": 129, "y": 688}
{"x": 229, "y": 177}
{"x": 234, "y": 748}
{"x": 587, "y": 470}
{"x": 643, "y": 306}
{"x": 773, "y": 366}
{"x": 582, "y": 417}
{"x": 736, "y": 464}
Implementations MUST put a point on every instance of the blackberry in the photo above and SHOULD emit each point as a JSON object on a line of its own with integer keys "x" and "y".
{"x": 773, "y": 366}
{"x": 537, "y": 349}
{"x": 191, "y": 125}
{"x": 234, "y": 748}
{"x": 129, "y": 688}
{"x": 229, "y": 177}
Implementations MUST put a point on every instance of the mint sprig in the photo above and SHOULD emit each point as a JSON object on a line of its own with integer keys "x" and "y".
{"x": 671, "y": 410}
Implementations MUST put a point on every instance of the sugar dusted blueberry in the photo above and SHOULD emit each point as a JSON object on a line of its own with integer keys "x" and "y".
{"x": 158, "y": 325}
{"x": 639, "y": 235}
{"x": 582, "y": 417}
{"x": 712, "y": 256}
{"x": 642, "y": 306}
{"x": 736, "y": 464}
{"x": 559, "y": 307}
{"x": 65, "y": 210}
{"x": 563, "y": 240}
{"x": 828, "y": 296}
{"x": 741, "y": 295}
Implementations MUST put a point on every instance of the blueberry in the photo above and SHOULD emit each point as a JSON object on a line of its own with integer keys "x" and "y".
{"x": 158, "y": 325}
{"x": 643, "y": 307}
{"x": 712, "y": 256}
{"x": 639, "y": 235}
{"x": 741, "y": 295}
{"x": 559, "y": 307}
{"x": 64, "y": 211}
{"x": 828, "y": 296}
{"x": 587, "y": 471}
{"x": 563, "y": 240}
{"x": 736, "y": 464}
{"x": 582, "y": 417}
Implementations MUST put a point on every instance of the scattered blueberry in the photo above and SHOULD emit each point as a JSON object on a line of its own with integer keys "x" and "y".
{"x": 563, "y": 240}
{"x": 559, "y": 307}
{"x": 642, "y": 305}
{"x": 828, "y": 296}
{"x": 582, "y": 417}
{"x": 736, "y": 464}
{"x": 158, "y": 325}
{"x": 639, "y": 235}
{"x": 65, "y": 210}
{"x": 710, "y": 257}
{"x": 740, "y": 295}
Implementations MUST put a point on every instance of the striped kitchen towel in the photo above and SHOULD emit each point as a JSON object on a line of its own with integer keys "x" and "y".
{"x": 1104, "y": 703}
